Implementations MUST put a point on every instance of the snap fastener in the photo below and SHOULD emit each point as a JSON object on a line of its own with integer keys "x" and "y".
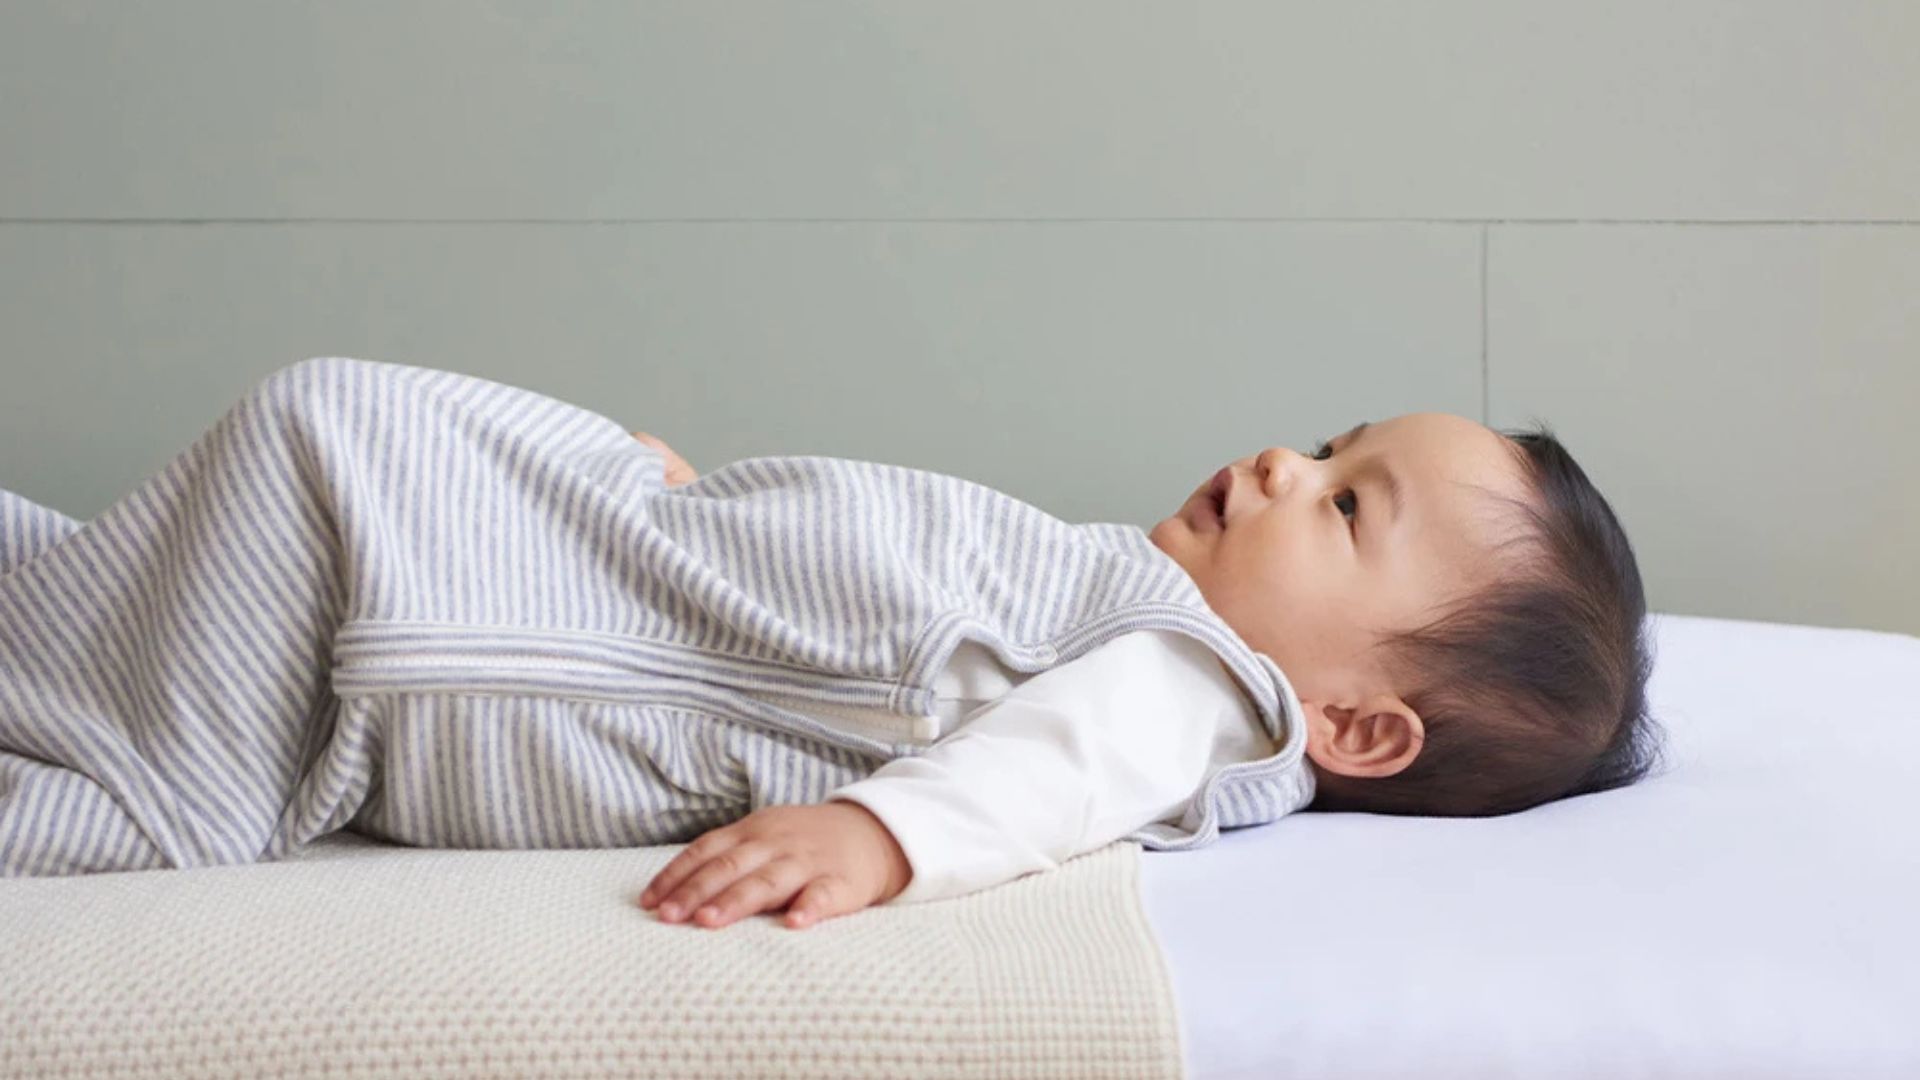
{"x": 1047, "y": 653}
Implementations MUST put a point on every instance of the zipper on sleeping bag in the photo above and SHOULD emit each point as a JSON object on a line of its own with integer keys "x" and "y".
{"x": 373, "y": 657}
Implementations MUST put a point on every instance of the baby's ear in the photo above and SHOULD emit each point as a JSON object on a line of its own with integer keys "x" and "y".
{"x": 1385, "y": 707}
{"x": 1379, "y": 737}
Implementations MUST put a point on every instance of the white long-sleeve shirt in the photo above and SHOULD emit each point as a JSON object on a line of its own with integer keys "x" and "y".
{"x": 1026, "y": 771}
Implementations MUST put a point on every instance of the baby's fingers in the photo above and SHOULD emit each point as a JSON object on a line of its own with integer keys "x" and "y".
{"x": 675, "y": 469}
{"x": 681, "y": 866}
{"x": 823, "y": 898}
{"x": 770, "y": 886}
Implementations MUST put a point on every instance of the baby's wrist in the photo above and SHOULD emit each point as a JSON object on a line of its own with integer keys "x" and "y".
{"x": 896, "y": 872}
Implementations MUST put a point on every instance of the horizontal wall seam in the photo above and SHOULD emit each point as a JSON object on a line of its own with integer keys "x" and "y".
{"x": 1464, "y": 222}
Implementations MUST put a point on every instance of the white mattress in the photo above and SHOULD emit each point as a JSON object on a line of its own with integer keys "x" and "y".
{"x": 1753, "y": 912}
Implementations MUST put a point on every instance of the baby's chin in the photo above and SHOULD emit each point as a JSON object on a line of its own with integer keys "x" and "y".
{"x": 1178, "y": 529}
{"x": 1162, "y": 534}
{"x": 1176, "y": 539}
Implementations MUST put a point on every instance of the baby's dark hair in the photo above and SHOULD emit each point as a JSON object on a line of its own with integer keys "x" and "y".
{"x": 1534, "y": 688}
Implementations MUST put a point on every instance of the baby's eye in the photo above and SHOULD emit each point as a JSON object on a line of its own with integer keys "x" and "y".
{"x": 1321, "y": 452}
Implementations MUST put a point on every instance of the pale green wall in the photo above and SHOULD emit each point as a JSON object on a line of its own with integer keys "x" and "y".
{"x": 1082, "y": 252}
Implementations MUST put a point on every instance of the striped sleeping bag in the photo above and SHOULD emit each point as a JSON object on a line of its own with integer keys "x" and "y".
{"x": 445, "y": 611}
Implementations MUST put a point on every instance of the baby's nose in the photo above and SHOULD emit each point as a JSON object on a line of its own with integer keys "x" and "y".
{"x": 1276, "y": 459}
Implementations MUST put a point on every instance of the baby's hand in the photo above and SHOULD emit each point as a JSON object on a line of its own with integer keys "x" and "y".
{"x": 677, "y": 470}
{"x": 829, "y": 859}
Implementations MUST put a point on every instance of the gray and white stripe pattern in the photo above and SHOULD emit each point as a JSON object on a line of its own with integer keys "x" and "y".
{"x": 451, "y": 612}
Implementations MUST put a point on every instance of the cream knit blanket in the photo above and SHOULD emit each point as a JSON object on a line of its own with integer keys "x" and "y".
{"x": 358, "y": 959}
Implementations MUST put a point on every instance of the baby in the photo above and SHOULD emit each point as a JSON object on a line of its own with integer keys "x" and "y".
{"x": 446, "y": 611}
{"x": 1457, "y": 611}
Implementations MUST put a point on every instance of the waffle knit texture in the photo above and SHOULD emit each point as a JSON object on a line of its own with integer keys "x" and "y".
{"x": 355, "y": 959}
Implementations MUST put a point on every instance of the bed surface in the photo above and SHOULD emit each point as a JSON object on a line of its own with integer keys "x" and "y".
{"x": 1751, "y": 912}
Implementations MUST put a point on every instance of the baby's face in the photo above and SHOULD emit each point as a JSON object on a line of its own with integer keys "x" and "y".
{"x": 1314, "y": 563}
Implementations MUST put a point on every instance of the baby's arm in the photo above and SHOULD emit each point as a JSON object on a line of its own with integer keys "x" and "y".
{"x": 1070, "y": 760}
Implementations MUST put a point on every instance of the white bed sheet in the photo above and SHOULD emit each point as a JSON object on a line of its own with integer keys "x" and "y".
{"x": 1751, "y": 912}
